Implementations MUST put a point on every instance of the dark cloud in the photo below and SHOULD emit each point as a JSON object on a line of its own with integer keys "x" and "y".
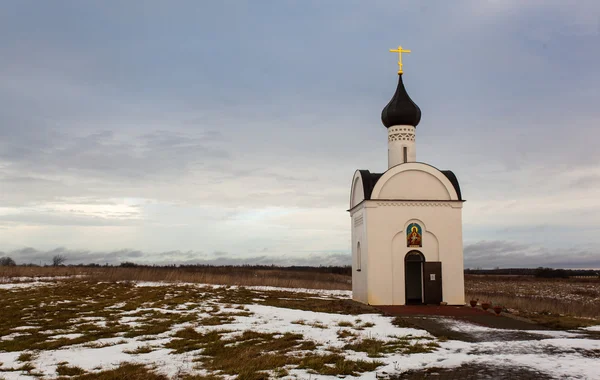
{"x": 31, "y": 255}
{"x": 507, "y": 254}
{"x": 105, "y": 155}
{"x": 591, "y": 181}
{"x": 483, "y": 254}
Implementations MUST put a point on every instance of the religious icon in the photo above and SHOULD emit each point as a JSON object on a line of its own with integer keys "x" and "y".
{"x": 413, "y": 235}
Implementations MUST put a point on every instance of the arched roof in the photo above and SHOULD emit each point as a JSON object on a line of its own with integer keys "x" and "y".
{"x": 371, "y": 180}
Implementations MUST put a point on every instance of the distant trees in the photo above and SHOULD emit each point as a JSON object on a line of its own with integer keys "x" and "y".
{"x": 537, "y": 272}
{"x": 58, "y": 260}
{"x": 7, "y": 262}
{"x": 551, "y": 273}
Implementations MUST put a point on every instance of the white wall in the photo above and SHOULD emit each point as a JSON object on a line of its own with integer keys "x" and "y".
{"x": 420, "y": 194}
{"x": 359, "y": 278}
{"x": 387, "y": 245}
{"x": 357, "y": 194}
{"x": 400, "y": 136}
{"x": 414, "y": 184}
{"x": 414, "y": 180}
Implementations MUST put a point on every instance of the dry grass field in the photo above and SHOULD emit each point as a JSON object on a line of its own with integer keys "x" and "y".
{"x": 109, "y": 323}
{"x": 75, "y": 328}
{"x": 201, "y": 275}
{"x": 552, "y": 302}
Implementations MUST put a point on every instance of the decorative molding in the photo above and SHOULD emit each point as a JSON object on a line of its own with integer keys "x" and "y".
{"x": 402, "y": 129}
{"x": 413, "y": 203}
{"x": 403, "y": 136}
{"x": 358, "y": 221}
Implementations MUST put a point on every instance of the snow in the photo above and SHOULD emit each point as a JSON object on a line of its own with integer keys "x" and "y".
{"x": 23, "y": 285}
{"x": 20, "y": 328}
{"x": 119, "y": 305}
{"x": 331, "y": 293}
{"x": 66, "y": 336}
{"x": 38, "y": 278}
{"x": 12, "y": 336}
{"x": 269, "y": 319}
{"x": 150, "y": 284}
{"x": 51, "y": 332}
{"x": 555, "y": 353}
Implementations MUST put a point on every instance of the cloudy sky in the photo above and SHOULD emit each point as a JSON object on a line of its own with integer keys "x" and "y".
{"x": 229, "y": 131}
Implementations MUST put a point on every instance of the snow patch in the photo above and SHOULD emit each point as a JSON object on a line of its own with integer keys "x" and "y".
{"x": 592, "y": 328}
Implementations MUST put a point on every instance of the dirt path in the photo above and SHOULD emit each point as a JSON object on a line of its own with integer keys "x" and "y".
{"x": 477, "y": 326}
{"x": 437, "y": 321}
{"x": 474, "y": 372}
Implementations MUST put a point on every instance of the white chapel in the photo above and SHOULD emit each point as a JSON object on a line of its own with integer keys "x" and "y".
{"x": 407, "y": 245}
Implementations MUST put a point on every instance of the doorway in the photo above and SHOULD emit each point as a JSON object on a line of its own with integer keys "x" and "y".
{"x": 413, "y": 277}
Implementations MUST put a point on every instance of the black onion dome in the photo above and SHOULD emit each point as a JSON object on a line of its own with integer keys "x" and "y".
{"x": 401, "y": 110}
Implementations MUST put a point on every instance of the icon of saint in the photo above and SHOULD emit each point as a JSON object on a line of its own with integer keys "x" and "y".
{"x": 414, "y": 237}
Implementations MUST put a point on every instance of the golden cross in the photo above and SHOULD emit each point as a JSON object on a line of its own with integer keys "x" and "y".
{"x": 399, "y": 51}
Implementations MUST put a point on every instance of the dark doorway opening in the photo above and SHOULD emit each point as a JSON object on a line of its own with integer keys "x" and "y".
{"x": 413, "y": 277}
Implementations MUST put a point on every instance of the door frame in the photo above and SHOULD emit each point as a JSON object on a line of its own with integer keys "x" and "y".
{"x": 414, "y": 256}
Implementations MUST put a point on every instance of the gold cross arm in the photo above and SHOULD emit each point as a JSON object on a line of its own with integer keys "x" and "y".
{"x": 399, "y": 51}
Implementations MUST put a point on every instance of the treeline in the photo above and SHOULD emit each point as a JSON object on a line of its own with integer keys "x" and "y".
{"x": 537, "y": 272}
{"x": 224, "y": 269}
{"x": 344, "y": 270}
{"x": 341, "y": 270}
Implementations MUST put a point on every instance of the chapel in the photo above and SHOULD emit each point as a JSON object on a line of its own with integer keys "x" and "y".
{"x": 406, "y": 222}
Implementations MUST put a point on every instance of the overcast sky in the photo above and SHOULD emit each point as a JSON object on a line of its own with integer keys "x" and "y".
{"x": 229, "y": 131}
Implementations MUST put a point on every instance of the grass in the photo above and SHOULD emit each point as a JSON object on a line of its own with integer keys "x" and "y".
{"x": 158, "y": 326}
{"x": 189, "y": 339}
{"x": 201, "y": 377}
{"x": 104, "y": 344}
{"x": 280, "y": 372}
{"x": 65, "y": 370}
{"x": 343, "y": 334}
{"x": 206, "y": 275}
{"x": 377, "y": 348}
{"x": 317, "y": 324}
{"x": 25, "y": 357}
{"x": 216, "y": 320}
{"x": 124, "y": 371}
{"x": 362, "y": 326}
{"x": 249, "y": 360}
{"x": 556, "y": 303}
{"x": 119, "y": 310}
{"x": 402, "y": 322}
{"x": 141, "y": 350}
{"x": 557, "y": 321}
{"x": 27, "y": 367}
{"x": 249, "y": 356}
{"x": 33, "y": 306}
{"x": 94, "y": 310}
{"x": 255, "y": 355}
{"x": 336, "y": 364}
